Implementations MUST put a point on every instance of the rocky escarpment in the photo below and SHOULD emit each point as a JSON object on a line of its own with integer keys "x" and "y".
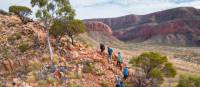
{"x": 98, "y": 26}
{"x": 180, "y": 32}
{"x": 119, "y": 22}
{"x": 100, "y": 32}
{"x": 178, "y": 26}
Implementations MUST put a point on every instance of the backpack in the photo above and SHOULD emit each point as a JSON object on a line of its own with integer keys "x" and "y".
{"x": 119, "y": 58}
{"x": 110, "y": 50}
{"x": 102, "y": 46}
{"x": 125, "y": 72}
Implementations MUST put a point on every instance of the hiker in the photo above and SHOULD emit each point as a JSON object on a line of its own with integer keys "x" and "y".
{"x": 102, "y": 48}
{"x": 110, "y": 51}
{"x": 121, "y": 84}
{"x": 119, "y": 60}
{"x": 118, "y": 80}
{"x": 125, "y": 73}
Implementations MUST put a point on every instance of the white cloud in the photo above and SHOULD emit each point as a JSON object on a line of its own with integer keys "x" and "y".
{"x": 112, "y": 8}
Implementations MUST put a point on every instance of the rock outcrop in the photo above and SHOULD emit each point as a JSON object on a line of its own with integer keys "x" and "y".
{"x": 100, "y": 32}
{"x": 98, "y": 26}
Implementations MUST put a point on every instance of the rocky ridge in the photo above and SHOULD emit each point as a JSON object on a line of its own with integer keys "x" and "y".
{"x": 25, "y": 59}
{"x": 178, "y": 26}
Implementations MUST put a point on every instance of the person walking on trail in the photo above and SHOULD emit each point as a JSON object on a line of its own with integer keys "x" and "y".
{"x": 118, "y": 80}
{"x": 102, "y": 48}
{"x": 125, "y": 73}
{"x": 121, "y": 84}
{"x": 110, "y": 51}
{"x": 119, "y": 59}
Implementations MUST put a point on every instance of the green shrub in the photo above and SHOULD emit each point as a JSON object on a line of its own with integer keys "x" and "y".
{"x": 20, "y": 10}
{"x": 73, "y": 75}
{"x": 14, "y": 37}
{"x": 73, "y": 85}
{"x": 128, "y": 85}
{"x": 88, "y": 67}
{"x": 23, "y": 47}
{"x": 104, "y": 84}
{"x": 56, "y": 59}
{"x": 99, "y": 72}
{"x": 11, "y": 39}
{"x": 52, "y": 80}
{"x": 34, "y": 66}
{"x": 17, "y": 36}
{"x": 189, "y": 81}
{"x": 42, "y": 82}
{"x": 45, "y": 58}
{"x": 152, "y": 67}
{"x": 31, "y": 79}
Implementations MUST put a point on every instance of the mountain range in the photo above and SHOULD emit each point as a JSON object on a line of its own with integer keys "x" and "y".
{"x": 178, "y": 26}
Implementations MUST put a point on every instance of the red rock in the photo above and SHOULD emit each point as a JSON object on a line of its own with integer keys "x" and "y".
{"x": 181, "y": 23}
{"x": 8, "y": 65}
{"x": 98, "y": 26}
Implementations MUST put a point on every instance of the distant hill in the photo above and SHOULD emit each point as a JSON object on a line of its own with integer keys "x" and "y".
{"x": 177, "y": 26}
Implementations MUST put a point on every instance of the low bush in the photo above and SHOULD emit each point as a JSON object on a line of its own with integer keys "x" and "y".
{"x": 45, "y": 58}
{"x": 104, "y": 84}
{"x": 11, "y": 39}
{"x": 99, "y": 72}
{"x": 88, "y": 67}
{"x": 52, "y": 80}
{"x": 73, "y": 85}
{"x": 31, "y": 79}
{"x": 23, "y": 47}
{"x": 42, "y": 83}
{"x": 17, "y": 36}
{"x": 189, "y": 81}
{"x": 14, "y": 37}
{"x": 56, "y": 59}
{"x": 34, "y": 66}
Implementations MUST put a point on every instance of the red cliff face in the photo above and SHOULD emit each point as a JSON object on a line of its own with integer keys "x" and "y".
{"x": 119, "y": 22}
{"x": 181, "y": 23}
{"x": 98, "y": 26}
{"x": 171, "y": 27}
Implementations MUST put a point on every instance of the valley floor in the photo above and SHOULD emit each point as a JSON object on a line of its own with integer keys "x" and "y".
{"x": 185, "y": 59}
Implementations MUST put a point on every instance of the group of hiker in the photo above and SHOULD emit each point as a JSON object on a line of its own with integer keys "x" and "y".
{"x": 118, "y": 78}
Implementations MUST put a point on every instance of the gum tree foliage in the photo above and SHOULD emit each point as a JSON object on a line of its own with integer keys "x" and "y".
{"x": 189, "y": 81}
{"x": 151, "y": 69}
{"x": 49, "y": 10}
{"x": 70, "y": 28}
{"x": 75, "y": 27}
{"x": 22, "y": 12}
{"x": 58, "y": 29}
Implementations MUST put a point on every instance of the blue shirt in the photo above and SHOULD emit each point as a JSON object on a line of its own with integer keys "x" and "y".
{"x": 125, "y": 72}
{"x": 110, "y": 51}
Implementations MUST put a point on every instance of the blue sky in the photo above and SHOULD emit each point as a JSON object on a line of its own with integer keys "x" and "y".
{"x": 86, "y": 9}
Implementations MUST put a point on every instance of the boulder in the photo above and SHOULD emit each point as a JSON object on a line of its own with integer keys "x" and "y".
{"x": 8, "y": 65}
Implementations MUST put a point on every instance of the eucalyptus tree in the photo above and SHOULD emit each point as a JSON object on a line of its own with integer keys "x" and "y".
{"x": 151, "y": 69}
{"x": 22, "y": 12}
{"x": 49, "y": 10}
{"x": 75, "y": 27}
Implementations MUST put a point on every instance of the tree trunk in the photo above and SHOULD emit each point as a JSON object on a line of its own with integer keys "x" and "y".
{"x": 49, "y": 45}
{"x": 72, "y": 40}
